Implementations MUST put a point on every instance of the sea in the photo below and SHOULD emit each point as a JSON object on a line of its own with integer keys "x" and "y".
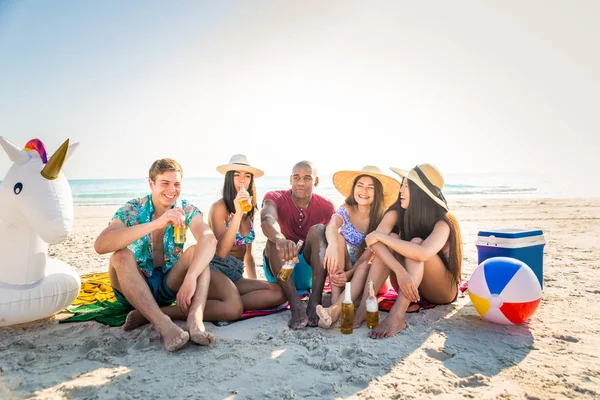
{"x": 204, "y": 191}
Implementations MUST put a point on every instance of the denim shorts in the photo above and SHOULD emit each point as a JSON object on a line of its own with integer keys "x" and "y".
{"x": 158, "y": 286}
{"x": 301, "y": 275}
{"x": 231, "y": 267}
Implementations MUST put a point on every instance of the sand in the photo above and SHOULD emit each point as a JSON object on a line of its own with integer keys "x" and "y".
{"x": 447, "y": 352}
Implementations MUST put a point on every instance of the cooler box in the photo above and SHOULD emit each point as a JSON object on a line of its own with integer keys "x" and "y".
{"x": 524, "y": 245}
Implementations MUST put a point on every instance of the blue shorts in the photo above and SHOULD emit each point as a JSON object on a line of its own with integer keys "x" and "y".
{"x": 158, "y": 286}
{"x": 231, "y": 267}
{"x": 301, "y": 275}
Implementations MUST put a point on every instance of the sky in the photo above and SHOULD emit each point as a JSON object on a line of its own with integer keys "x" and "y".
{"x": 470, "y": 86}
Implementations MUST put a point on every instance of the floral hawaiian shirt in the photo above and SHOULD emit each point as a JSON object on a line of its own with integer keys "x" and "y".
{"x": 140, "y": 211}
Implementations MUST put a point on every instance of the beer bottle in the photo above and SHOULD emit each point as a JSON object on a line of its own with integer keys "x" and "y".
{"x": 372, "y": 307}
{"x": 347, "y": 311}
{"x": 286, "y": 269}
{"x": 244, "y": 203}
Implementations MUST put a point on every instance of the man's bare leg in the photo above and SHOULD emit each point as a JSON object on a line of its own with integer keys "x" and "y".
{"x": 299, "y": 319}
{"x": 194, "y": 325}
{"x": 126, "y": 278}
{"x": 314, "y": 253}
{"x": 336, "y": 291}
{"x": 223, "y": 303}
{"x": 195, "y": 317}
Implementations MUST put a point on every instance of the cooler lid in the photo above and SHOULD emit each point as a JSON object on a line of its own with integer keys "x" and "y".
{"x": 512, "y": 233}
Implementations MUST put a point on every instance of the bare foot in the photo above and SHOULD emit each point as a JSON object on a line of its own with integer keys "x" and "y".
{"x": 202, "y": 338}
{"x": 325, "y": 321}
{"x": 360, "y": 316}
{"x": 299, "y": 319}
{"x": 134, "y": 319}
{"x": 313, "y": 317}
{"x": 199, "y": 335}
{"x": 388, "y": 328}
{"x": 413, "y": 307}
{"x": 173, "y": 336}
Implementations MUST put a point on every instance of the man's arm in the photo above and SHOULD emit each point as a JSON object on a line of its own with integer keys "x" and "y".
{"x": 118, "y": 236}
{"x": 271, "y": 229}
{"x": 268, "y": 221}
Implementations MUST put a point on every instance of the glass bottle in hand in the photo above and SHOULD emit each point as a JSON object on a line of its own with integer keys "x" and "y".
{"x": 245, "y": 205}
{"x": 286, "y": 269}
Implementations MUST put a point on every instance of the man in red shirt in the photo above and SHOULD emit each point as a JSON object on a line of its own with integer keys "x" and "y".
{"x": 286, "y": 217}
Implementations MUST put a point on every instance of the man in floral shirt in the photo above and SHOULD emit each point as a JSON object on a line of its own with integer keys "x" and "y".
{"x": 148, "y": 270}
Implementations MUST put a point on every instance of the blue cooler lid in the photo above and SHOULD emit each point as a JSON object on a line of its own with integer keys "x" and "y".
{"x": 512, "y": 233}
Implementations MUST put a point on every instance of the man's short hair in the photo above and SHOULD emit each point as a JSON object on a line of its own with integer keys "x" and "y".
{"x": 163, "y": 165}
{"x": 306, "y": 164}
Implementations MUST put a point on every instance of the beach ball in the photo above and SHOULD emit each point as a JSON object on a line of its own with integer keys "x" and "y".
{"x": 504, "y": 290}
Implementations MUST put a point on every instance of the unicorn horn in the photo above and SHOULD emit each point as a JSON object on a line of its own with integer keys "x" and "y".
{"x": 17, "y": 155}
{"x": 55, "y": 163}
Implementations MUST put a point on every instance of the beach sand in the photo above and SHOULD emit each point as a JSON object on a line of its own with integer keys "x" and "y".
{"x": 446, "y": 352}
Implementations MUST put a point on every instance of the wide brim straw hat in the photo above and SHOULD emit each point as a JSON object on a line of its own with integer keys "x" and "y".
{"x": 239, "y": 162}
{"x": 343, "y": 180}
{"x": 428, "y": 178}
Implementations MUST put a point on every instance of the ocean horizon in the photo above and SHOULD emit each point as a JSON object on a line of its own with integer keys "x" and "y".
{"x": 204, "y": 191}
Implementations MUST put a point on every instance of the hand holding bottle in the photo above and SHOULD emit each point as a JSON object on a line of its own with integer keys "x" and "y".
{"x": 288, "y": 267}
{"x": 287, "y": 249}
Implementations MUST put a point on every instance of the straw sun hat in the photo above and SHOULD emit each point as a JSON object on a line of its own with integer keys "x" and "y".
{"x": 239, "y": 162}
{"x": 343, "y": 180}
{"x": 428, "y": 178}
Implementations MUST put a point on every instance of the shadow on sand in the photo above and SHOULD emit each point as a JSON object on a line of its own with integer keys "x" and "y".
{"x": 257, "y": 358}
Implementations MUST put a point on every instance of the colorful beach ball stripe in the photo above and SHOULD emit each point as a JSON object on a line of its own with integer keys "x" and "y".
{"x": 504, "y": 290}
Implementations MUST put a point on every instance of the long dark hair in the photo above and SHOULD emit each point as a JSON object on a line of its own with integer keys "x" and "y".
{"x": 375, "y": 212}
{"x": 418, "y": 220}
{"x": 230, "y": 191}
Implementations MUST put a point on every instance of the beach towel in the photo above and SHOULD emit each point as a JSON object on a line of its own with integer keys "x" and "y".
{"x": 95, "y": 288}
{"x": 252, "y": 314}
{"x": 111, "y": 313}
{"x": 96, "y": 302}
{"x": 387, "y": 300}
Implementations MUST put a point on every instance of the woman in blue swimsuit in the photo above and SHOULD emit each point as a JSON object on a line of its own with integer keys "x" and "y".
{"x": 368, "y": 193}
{"x": 234, "y": 230}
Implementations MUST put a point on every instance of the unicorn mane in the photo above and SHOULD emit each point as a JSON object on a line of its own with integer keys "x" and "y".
{"x": 37, "y": 145}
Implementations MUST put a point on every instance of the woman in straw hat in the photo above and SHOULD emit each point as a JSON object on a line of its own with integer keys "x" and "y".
{"x": 234, "y": 230}
{"x": 368, "y": 193}
{"x": 424, "y": 257}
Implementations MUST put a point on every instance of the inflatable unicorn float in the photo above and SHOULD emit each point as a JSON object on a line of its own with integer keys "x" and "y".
{"x": 36, "y": 209}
